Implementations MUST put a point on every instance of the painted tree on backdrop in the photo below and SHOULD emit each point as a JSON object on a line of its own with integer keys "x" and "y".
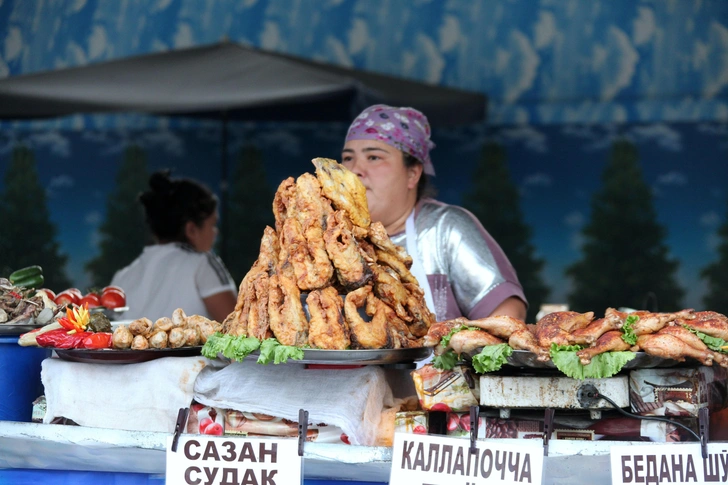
{"x": 28, "y": 237}
{"x": 716, "y": 275}
{"x": 250, "y": 211}
{"x": 625, "y": 258}
{"x": 124, "y": 231}
{"x": 498, "y": 208}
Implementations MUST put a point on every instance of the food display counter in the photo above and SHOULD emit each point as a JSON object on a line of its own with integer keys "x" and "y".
{"x": 331, "y": 321}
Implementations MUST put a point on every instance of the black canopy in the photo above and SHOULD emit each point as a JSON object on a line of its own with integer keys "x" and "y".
{"x": 242, "y": 82}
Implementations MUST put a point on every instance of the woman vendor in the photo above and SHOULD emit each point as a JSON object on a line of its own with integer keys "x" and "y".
{"x": 467, "y": 273}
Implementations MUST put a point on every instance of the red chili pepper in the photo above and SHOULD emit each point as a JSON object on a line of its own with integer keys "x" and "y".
{"x": 16, "y": 295}
{"x": 61, "y": 339}
{"x": 98, "y": 340}
{"x": 66, "y": 323}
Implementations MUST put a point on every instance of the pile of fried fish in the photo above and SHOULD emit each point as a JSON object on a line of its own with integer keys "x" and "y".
{"x": 326, "y": 258}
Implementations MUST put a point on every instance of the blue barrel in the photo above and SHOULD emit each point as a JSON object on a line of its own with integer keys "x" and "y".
{"x": 20, "y": 381}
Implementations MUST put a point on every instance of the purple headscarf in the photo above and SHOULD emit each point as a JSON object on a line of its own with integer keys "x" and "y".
{"x": 405, "y": 129}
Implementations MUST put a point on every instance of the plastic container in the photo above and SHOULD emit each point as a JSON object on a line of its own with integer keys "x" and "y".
{"x": 20, "y": 381}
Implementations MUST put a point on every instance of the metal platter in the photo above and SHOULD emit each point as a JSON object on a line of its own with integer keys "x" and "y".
{"x": 115, "y": 356}
{"x": 16, "y": 329}
{"x": 357, "y": 357}
{"x": 524, "y": 358}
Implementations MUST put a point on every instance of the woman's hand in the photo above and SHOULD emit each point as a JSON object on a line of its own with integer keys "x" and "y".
{"x": 220, "y": 305}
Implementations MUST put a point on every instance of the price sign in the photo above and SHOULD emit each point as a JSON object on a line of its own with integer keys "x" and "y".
{"x": 673, "y": 463}
{"x": 221, "y": 460}
{"x": 438, "y": 460}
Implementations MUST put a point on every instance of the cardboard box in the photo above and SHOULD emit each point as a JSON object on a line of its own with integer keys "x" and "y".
{"x": 411, "y": 422}
{"x": 458, "y": 425}
{"x": 677, "y": 391}
{"x": 446, "y": 390}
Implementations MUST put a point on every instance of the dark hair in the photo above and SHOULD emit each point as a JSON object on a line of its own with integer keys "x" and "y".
{"x": 425, "y": 188}
{"x": 171, "y": 203}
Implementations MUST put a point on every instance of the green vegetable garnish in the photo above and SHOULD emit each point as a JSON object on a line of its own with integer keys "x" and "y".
{"x": 232, "y": 347}
{"x": 601, "y": 366}
{"x": 491, "y": 358}
{"x": 628, "y": 334}
{"x": 445, "y": 361}
{"x": 445, "y": 341}
{"x": 716, "y": 344}
{"x": 272, "y": 351}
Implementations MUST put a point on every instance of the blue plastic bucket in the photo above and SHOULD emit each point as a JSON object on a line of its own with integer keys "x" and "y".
{"x": 20, "y": 381}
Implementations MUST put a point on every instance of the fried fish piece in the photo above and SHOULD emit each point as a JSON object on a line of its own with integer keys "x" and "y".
{"x": 422, "y": 317}
{"x": 327, "y": 328}
{"x": 313, "y": 269}
{"x": 250, "y": 316}
{"x": 379, "y": 237}
{"x": 390, "y": 290}
{"x": 344, "y": 189}
{"x": 366, "y": 335}
{"x": 285, "y": 311}
{"x": 312, "y": 210}
{"x": 393, "y": 261}
{"x": 352, "y": 270}
{"x": 284, "y": 202}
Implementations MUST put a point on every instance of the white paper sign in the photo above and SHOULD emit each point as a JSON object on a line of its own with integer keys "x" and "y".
{"x": 673, "y": 463}
{"x": 438, "y": 460}
{"x": 222, "y": 460}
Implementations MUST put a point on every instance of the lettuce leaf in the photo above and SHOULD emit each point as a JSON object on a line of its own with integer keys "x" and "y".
{"x": 232, "y": 347}
{"x": 713, "y": 343}
{"x": 445, "y": 341}
{"x": 601, "y": 366}
{"x": 445, "y": 361}
{"x": 271, "y": 350}
{"x": 491, "y": 358}
{"x": 628, "y": 334}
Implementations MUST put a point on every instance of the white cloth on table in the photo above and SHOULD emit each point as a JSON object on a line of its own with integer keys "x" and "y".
{"x": 137, "y": 397}
{"x": 352, "y": 399}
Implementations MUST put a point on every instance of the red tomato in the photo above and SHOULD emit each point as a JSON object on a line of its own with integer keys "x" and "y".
{"x": 115, "y": 288}
{"x": 112, "y": 299}
{"x": 76, "y": 292}
{"x": 67, "y": 297}
{"x": 92, "y": 299}
{"x": 48, "y": 292}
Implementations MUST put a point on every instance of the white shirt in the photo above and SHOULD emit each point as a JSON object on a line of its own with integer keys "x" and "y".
{"x": 170, "y": 276}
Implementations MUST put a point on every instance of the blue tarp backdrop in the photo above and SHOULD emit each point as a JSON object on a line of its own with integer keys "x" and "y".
{"x": 564, "y": 79}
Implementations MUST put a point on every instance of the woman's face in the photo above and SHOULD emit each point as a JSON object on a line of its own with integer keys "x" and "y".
{"x": 391, "y": 186}
{"x": 202, "y": 238}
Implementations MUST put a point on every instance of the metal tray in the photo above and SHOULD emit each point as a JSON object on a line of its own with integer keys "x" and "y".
{"x": 16, "y": 329}
{"x": 128, "y": 356}
{"x": 524, "y": 358}
{"x": 357, "y": 357}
